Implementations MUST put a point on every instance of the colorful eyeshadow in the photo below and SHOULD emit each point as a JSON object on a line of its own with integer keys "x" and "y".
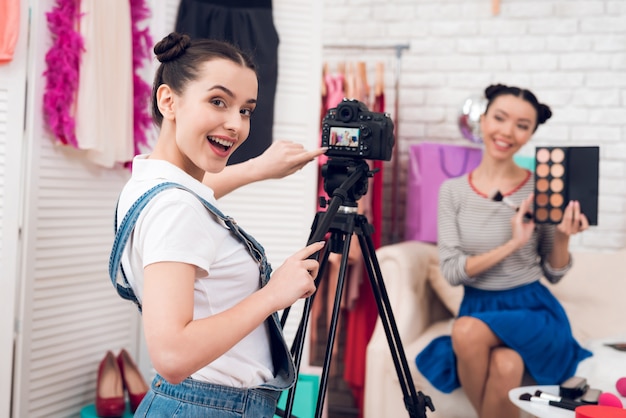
{"x": 543, "y": 155}
{"x": 557, "y": 170}
{"x": 556, "y": 185}
{"x": 542, "y": 199}
{"x": 556, "y": 200}
{"x": 563, "y": 174}
{"x": 541, "y": 215}
{"x": 556, "y": 214}
{"x": 543, "y": 170}
{"x": 557, "y": 155}
{"x": 542, "y": 185}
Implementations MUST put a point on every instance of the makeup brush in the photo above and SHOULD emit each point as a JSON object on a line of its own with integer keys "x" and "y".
{"x": 555, "y": 398}
{"x": 563, "y": 405}
{"x": 496, "y": 196}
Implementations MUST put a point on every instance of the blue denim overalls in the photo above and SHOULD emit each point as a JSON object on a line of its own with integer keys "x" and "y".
{"x": 192, "y": 398}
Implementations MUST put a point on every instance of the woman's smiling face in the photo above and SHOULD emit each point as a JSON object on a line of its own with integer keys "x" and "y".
{"x": 507, "y": 125}
{"x": 212, "y": 115}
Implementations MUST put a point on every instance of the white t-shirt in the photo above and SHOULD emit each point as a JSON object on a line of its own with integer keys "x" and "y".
{"x": 175, "y": 226}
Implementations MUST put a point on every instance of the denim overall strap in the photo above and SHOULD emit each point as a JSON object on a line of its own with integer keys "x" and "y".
{"x": 122, "y": 234}
{"x": 283, "y": 362}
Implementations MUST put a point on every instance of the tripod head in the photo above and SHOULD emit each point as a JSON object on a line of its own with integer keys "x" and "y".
{"x": 346, "y": 178}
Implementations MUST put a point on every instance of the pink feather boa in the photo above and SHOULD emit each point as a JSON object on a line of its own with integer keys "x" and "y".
{"x": 142, "y": 42}
{"x": 63, "y": 61}
{"x": 63, "y": 64}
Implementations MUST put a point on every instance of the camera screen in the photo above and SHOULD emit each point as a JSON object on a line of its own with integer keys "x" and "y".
{"x": 344, "y": 137}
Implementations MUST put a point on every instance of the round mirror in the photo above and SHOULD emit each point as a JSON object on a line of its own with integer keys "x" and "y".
{"x": 469, "y": 118}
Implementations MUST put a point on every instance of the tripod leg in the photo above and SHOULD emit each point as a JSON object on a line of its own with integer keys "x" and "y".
{"x": 297, "y": 346}
{"x": 315, "y": 236}
{"x": 415, "y": 403}
{"x": 303, "y": 324}
{"x": 333, "y": 324}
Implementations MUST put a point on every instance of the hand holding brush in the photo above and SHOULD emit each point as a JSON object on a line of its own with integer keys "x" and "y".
{"x": 497, "y": 196}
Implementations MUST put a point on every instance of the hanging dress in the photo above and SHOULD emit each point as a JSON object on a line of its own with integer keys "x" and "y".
{"x": 104, "y": 104}
{"x": 98, "y": 78}
{"x": 249, "y": 25}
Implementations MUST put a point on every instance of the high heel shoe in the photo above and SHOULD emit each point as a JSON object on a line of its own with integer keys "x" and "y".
{"x": 109, "y": 388}
{"x": 132, "y": 378}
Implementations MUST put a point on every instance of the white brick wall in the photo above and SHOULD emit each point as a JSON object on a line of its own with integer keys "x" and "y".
{"x": 571, "y": 53}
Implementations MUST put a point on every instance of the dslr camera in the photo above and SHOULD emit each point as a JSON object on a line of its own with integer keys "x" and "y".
{"x": 351, "y": 131}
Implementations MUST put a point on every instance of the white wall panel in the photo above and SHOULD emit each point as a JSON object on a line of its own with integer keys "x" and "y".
{"x": 69, "y": 312}
{"x": 12, "y": 98}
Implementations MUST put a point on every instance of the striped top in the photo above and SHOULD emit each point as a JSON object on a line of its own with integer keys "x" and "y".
{"x": 471, "y": 224}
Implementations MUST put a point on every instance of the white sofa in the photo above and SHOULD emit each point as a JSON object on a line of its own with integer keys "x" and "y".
{"x": 593, "y": 293}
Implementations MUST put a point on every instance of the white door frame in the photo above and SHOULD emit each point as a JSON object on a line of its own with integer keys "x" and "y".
{"x": 13, "y": 81}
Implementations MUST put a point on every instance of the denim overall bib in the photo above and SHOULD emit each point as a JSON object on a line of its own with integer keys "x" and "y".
{"x": 186, "y": 397}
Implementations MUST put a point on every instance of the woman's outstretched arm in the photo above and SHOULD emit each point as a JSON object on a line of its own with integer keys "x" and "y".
{"x": 281, "y": 159}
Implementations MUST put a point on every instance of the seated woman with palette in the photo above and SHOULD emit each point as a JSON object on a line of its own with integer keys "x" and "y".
{"x": 509, "y": 323}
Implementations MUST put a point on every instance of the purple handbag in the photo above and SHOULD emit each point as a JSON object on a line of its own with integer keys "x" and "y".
{"x": 430, "y": 164}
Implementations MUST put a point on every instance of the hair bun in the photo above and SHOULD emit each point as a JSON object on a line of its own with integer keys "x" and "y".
{"x": 493, "y": 90}
{"x": 543, "y": 113}
{"x": 172, "y": 46}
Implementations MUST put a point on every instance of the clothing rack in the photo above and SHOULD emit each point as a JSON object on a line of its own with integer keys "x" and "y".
{"x": 399, "y": 48}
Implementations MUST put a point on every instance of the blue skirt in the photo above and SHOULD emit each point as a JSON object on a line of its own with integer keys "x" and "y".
{"x": 528, "y": 319}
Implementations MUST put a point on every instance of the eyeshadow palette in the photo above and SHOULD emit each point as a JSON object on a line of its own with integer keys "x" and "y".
{"x": 563, "y": 174}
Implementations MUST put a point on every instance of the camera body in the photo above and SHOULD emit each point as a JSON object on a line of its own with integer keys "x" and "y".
{"x": 351, "y": 131}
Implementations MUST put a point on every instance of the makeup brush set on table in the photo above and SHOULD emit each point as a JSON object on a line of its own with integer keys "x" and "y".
{"x": 577, "y": 396}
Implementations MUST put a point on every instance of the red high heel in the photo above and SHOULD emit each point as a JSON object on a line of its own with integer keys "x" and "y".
{"x": 132, "y": 378}
{"x": 109, "y": 388}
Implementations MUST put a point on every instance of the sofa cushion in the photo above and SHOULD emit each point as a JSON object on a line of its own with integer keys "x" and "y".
{"x": 450, "y": 296}
{"x": 593, "y": 294}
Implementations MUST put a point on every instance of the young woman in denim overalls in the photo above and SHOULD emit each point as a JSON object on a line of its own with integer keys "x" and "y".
{"x": 202, "y": 283}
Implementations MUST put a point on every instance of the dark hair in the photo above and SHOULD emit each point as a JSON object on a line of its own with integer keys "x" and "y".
{"x": 543, "y": 112}
{"x": 181, "y": 57}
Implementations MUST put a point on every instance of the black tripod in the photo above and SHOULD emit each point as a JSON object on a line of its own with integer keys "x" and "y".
{"x": 346, "y": 181}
